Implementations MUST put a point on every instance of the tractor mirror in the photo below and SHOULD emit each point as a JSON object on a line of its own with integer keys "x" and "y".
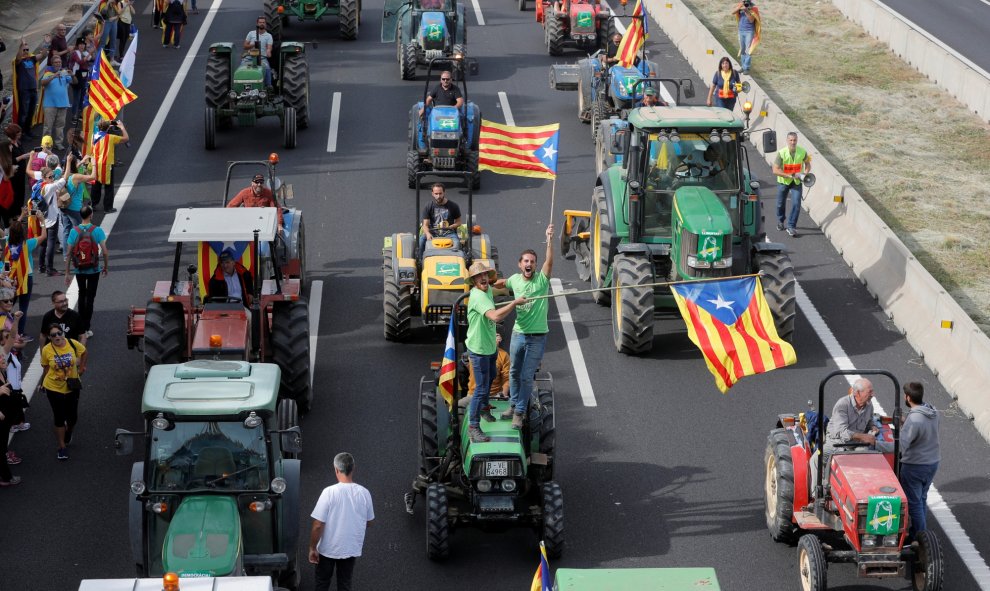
{"x": 292, "y": 440}
{"x": 619, "y": 141}
{"x": 473, "y": 67}
{"x": 769, "y": 141}
{"x": 191, "y": 269}
{"x": 687, "y": 86}
{"x": 123, "y": 441}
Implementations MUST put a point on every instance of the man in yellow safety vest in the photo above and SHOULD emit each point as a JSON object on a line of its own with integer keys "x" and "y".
{"x": 790, "y": 162}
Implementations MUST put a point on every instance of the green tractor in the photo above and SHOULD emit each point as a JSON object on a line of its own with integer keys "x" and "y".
{"x": 423, "y": 30}
{"x": 236, "y": 90}
{"x": 506, "y": 482}
{"x": 217, "y": 493}
{"x": 278, "y": 13}
{"x": 679, "y": 205}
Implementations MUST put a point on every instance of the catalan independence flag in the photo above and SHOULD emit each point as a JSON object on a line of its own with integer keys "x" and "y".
{"x": 209, "y": 259}
{"x": 520, "y": 151}
{"x": 448, "y": 368}
{"x": 637, "y": 34}
{"x": 107, "y": 94}
{"x": 542, "y": 580}
{"x": 731, "y": 323}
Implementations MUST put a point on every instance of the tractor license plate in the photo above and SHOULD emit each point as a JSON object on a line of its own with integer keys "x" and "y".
{"x": 496, "y": 469}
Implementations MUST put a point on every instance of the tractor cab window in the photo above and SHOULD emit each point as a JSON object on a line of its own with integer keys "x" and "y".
{"x": 209, "y": 455}
{"x": 692, "y": 161}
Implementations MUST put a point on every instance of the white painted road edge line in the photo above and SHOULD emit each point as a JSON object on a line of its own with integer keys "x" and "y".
{"x": 943, "y": 514}
{"x": 315, "y": 303}
{"x": 334, "y": 122}
{"x": 621, "y": 28}
{"x": 477, "y": 12}
{"x": 503, "y": 100}
{"x": 573, "y": 346}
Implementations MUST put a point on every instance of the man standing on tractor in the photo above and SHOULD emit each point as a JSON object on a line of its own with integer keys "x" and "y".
{"x": 920, "y": 454}
{"x": 612, "y": 50}
{"x": 445, "y": 94}
{"x": 481, "y": 343}
{"x": 790, "y": 162}
{"x": 529, "y": 334}
{"x": 231, "y": 279}
{"x": 256, "y": 195}
{"x": 441, "y": 217}
{"x": 261, "y": 40}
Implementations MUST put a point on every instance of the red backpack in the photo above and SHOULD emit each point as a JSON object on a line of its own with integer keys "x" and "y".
{"x": 86, "y": 251}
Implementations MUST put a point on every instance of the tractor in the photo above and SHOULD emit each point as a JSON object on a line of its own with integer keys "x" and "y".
{"x": 278, "y": 13}
{"x": 506, "y": 482}
{"x": 236, "y": 91}
{"x": 217, "y": 491}
{"x": 583, "y": 24}
{"x": 291, "y": 243}
{"x": 423, "y": 30}
{"x": 640, "y": 579}
{"x": 444, "y": 137}
{"x": 170, "y": 582}
{"x": 427, "y": 283}
{"x": 853, "y": 499}
{"x": 680, "y": 205}
{"x": 184, "y": 321}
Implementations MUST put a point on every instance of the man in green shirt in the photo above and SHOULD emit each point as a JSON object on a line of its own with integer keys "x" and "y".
{"x": 481, "y": 345}
{"x": 529, "y": 334}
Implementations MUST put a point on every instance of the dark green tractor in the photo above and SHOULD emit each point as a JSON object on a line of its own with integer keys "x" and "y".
{"x": 679, "y": 204}
{"x": 236, "y": 90}
{"x": 504, "y": 483}
{"x": 423, "y": 30}
{"x": 279, "y": 13}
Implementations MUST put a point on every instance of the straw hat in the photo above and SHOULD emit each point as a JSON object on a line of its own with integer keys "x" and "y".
{"x": 479, "y": 267}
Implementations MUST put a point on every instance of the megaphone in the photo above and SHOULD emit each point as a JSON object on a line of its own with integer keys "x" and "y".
{"x": 807, "y": 179}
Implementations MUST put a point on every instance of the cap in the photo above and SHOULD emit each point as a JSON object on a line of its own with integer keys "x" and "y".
{"x": 650, "y": 91}
{"x": 478, "y": 268}
{"x": 258, "y": 177}
{"x": 47, "y": 142}
{"x": 227, "y": 253}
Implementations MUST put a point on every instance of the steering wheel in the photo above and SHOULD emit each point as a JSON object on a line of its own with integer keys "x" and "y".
{"x": 223, "y": 300}
{"x": 687, "y": 169}
{"x": 851, "y": 444}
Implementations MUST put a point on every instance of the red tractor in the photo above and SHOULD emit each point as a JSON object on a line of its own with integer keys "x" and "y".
{"x": 583, "y": 24}
{"x": 857, "y": 513}
{"x": 185, "y": 321}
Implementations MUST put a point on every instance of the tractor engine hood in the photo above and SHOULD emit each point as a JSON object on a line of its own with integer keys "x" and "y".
{"x": 445, "y": 123}
{"x": 204, "y": 538}
{"x": 433, "y": 30}
{"x": 701, "y": 212}
{"x": 623, "y": 81}
{"x": 582, "y": 20}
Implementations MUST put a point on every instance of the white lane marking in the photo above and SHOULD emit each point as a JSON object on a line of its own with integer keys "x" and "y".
{"x": 621, "y": 28}
{"x": 33, "y": 374}
{"x": 939, "y": 508}
{"x": 334, "y": 122}
{"x": 573, "y": 346}
{"x": 503, "y": 100}
{"x": 315, "y": 304}
{"x": 477, "y": 12}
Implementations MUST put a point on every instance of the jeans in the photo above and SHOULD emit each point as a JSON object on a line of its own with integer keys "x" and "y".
{"x": 22, "y": 304}
{"x": 108, "y": 39}
{"x": 484, "y": 367}
{"x": 422, "y": 241}
{"x": 324, "y": 573}
{"x": 916, "y": 479}
{"x": 725, "y": 103}
{"x": 28, "y": 100}
{"x": 173, "y": 34}
{"x": 525, "y": 355}
{"x": 745, "y": 39}
{"x": 70, "y": 219}
{"x": 88, "y": 284}
{"x": 51, "y": 243}
{"x": 794, "y": 190}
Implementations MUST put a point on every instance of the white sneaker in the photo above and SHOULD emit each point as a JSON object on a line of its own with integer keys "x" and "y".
{"x": 22, "y": 427}
{"x": 89, "y": 334}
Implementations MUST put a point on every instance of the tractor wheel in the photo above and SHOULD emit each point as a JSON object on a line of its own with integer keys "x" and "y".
{"x": 210, "y": 128}
{"x": 812, "y": 564}
{"x": 553, "y": 519}
{"x": 548, "y": 431}
{"x": 778, "y": 488}
{"x": 274, "y": 20}
{"x": 777, "y": 277}
{"x": 473, "y": 169}
{"x": 601, "y": 245}
{"x": 597, "y": 116}
{"x": 429, "y": 444}
{"x": 459, "y": 69}
{"x": 522, "y": 4}
{"x": 413, "y": 165}
{"x": 397, "y": 303}
{"x": 632, "y": 308}
{"x": 437, "y": 525}
{"x": 349, "y": 19}
{"x": 295, "y": 87}
{"x": 217, "y": 79}
{"x": 164, "y": 334}
{"x": 603, "y": 145}
{"x": 407, "y": 61}
{"x": 555, "y": 33}
{"x": 289, "y": 128}
{"x": 928, "y": 569}
{"x": 288, "y": 416}
{"x": 290, "y": 352}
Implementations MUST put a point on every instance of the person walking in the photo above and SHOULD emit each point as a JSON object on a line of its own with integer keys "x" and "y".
{"x": 104, "y": 152}
{"x": 20, "y": 158}
{"x": 529, "y": 334}
{"x": 84, "y": 246}
{"x": 11, "y": 413}
{"x": 26, "y": 86}
{"x": 750, "y": 25}
{"x": 63, "y": 362}
{"x": 65, "y": 317}
{"x": 52, "y": 187}
{"x": 724, "y": 85}
{"x": 124, "y": 26}
{"x": 340, "y": 520}
{"x": 173, "y": 21}
{"x": 19, "y": 252}
{"x": 790, "y": 161}
{"x": 76, "y": 184}
{"x": 920, "y": 454}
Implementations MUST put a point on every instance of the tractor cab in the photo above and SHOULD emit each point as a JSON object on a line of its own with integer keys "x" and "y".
{"x": 424, "y": 30}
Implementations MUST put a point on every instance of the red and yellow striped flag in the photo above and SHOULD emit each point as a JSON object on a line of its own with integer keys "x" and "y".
{"x": 209, "y": 259}
{"x": 637, "y": 34}
{"x": 519, "y": 151}
{"x": 88, "y": 129}
{"x": 107, "y": 94}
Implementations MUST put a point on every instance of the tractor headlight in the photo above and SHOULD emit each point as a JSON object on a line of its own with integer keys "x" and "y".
{"x": 869, "y": 541}
{"x": 279, "y": 485}
{"x": 723, "y": 263}
{"x": 484, "y": 485}
{"x": 262, "y": 94}
{"x": 692, "y": 261}
{"x": 232, "y": 94}
{"x": 509, "y": 485}
{"x": 407, "y": 275}
{"x": 137, "y": 487}
{"x": 891, "y": 540}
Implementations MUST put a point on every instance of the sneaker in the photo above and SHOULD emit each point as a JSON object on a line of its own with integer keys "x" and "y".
{"x": 89, "y": 334}
{"x": 12, "y": 459}
{"x": 791, "y": 232}
{"x": 43, "y": 270}
{"x": 176, "y": 46}
{"x": 53, "y": 273}
{"x": 63, "y": 454}
{"x": 22, "y": 427}
{"x": 780, "y": 226}
{"x": 517, "y": 421}
{"x": 477, "y": 435}
{"x": 14, "y": 481}
{"x": 507, "y": 414}
{"x": 488, "y": 416}
{"x": 164, "y": 44}
{"x": 110, "y": 210}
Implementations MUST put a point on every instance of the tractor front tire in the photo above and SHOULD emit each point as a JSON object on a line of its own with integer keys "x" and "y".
{"x": 210, "y": 128}
{"x": 601, "y": 246}
{"x": 429, "y": 444}
{"x": 632, "y": 307}
{"x": 407, "y": 61}
{"x": 290, "y": 352}
{"x": 778, "y": 488}
{"x": 217, "y": 79}
{"x": 295, "y": 87}
{"x": 274, "y": 21}
{"x": 397, "y": 303}
{"x": 289, "y": 128}
{"x": 552, "y": 528}
{"x": 164, "y": 334}
{"x": 555, "y": 33}
{"x": 288, "y": 417}
{"x": 812, "y": 565}
{"x": 548, "y": 431}
{"x": 437, "y": 523}
{"x": 349, "y": 19}
{"x": 928, "y": 570}
{"x": 597, "y": 116}
{"x": 777, "y": 277}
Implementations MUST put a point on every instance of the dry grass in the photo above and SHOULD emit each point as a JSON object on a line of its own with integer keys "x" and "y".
{"x": 919, "y": 157}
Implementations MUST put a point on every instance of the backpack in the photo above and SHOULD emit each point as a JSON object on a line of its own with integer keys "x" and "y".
{"x": 86, "y": 251}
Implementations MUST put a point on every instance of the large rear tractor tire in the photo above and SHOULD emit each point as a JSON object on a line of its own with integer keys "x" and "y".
{"x": 927, "y": 570}
{"x": 429, "y": 444}
{"x": 548, "y": 432}
{"x": 288, "y": 417}
{"x": 397, "y": 303}
{"x": 217, "y": 79}
{"x": 473, "y": 158}
{"x": 812, "y": 565}
{"x": 553, "y": 519}
{"x": 210, "y": 128}
{"x": 777, "y": 277}
{"x": 407, "y": 61}
{"x": 289, "y": 128}
{"x": 164, "y": 334}
{"x": 349, "y": 19}
{"x": 274, "y": 20}
{"x": 601, "y": 246}
{"x": 413, "y": 165}
{"x": 290, "y": 351}
{"x": 779, "y": 488}
{"x": 584, "y": 93}
{"x": 437, "y": 524}
{"x": 295, "y": 87}
{"x": 632, "y": 308}
{"x": 555, "y": 34}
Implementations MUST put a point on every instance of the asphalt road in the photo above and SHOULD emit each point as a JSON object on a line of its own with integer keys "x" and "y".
{"x": 664, "y": 471}
{"x": 960, "y": 24}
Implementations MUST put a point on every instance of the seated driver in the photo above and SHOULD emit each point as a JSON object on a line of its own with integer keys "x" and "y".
{"x": 445, "y": 94}
{"x": 441, "y": 217}
{"x": 256, "y": 195}
{"x": 651, "y": 98}
{"x": 264, "y": 41}
{"x": 231, "y": 279}
{"x": 851, "y": 422}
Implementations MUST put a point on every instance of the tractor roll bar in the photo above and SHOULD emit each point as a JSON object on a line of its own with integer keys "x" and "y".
{"x": 679, "y": 83}
{"x": 470, "y": 221}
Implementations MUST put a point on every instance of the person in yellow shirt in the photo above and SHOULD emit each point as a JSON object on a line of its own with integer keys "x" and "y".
{"x": 500, "y": 383}
{"x": 63, "y": 362}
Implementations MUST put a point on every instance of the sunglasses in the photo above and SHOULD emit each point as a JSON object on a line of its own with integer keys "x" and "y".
{"x": 6, "y": 301}
{"x": 445, "y": 80}
{"x": 257, "y": 182}
{"x": 56, "y": 334}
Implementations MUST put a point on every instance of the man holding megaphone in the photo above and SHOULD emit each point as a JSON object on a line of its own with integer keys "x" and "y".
{"x": 793, "y": 169}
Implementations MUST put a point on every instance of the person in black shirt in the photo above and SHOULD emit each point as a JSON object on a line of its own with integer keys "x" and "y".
{"x": 445, "y": 94}
{"x": 612, "y": 50}
{"x": 66, "y": 318}
{"x": 441, "y": 217}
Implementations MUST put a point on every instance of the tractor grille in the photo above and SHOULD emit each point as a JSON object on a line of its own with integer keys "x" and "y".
{"x": 434, "y": 49}
{"x": 689, "y": 246}
{"x": 444, "y": 163}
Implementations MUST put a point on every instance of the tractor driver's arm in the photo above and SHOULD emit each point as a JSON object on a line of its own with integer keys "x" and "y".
{"x": 548, "y": 260}
{"x": 497, "y": 315}
{"x": 843, "y": 428}
{"x": 314, "y": 538}
{"x": 426, "y": 229}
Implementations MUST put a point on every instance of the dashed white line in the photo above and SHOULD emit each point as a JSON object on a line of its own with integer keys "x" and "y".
{"x": 503, "y": 100}
{"x": 315, "y": 304}
{"x": 334, "y": 122}
{"x": 573, "y": 346}
{"x": 477, "y": 12}
{"x": 621, "y": 28}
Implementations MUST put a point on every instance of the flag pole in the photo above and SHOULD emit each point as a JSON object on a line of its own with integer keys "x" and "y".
{"x": 553, "y": 196}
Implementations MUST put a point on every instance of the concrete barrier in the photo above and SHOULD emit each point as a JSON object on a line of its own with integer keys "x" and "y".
{"x": 934, "y": 324}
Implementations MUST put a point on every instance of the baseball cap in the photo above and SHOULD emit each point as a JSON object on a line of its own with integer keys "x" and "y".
{"x": 650, "y": 91}
{"x": 47, "y": 142}
{"x": 258, "y": 177}
{"x": 228, "y": 253}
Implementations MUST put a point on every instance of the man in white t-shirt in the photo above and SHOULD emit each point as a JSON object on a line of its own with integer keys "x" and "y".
{"x": 340, "y": 519}
{"x": 264, "y": 41}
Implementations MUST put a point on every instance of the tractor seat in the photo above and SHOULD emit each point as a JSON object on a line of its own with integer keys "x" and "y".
{"x": 213, "y": 462}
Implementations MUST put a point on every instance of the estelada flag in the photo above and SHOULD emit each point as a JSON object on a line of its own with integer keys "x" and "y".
{"x": 730, "y": 322}
{"x": 38, "y": 117}
{"x": 519, "y": 151}
{"x": 107, "y": 94}
{"x": 448, "y": 367}
{"x": 637, "y": 34}
{"x": 208, "y": 255}
{"x": 542, "y": 581}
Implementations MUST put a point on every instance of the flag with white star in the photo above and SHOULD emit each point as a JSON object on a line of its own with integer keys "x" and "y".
{"x": 730, "y": 321}
{"x": 520, "y": 151}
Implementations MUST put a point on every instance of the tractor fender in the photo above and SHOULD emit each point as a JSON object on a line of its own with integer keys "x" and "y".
{"x": 289, "y": 526}
{"x": 460, "y": 26}
{"x": 222, "y": 48}
{"x": 482, "y": 247}
{"x": 135, "y": 520}
{"x": 403, "y": 258}
{"x": 416, "y": 135}
{"x": 800, "y": 459}
{"x": 292, "y": 47}
{"x": 474, "y": 125}
{"x": 638, "y": 248}
{"x": 770, "y": 247}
